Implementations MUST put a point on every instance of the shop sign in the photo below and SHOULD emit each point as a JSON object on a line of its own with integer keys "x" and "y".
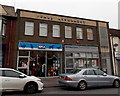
{"x": 57, "y": 18}
{"x": 39, "y": 46}
{"x": 74, "y": 48}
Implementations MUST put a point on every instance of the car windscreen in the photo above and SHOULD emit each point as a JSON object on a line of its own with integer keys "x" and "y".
{"x": 75, "y": 71}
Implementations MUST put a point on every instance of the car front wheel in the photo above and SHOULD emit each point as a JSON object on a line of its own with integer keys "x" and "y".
{"x": 30, "y": 88}
{"x": 116, "y": 84}
{"x": 82, "y": 85}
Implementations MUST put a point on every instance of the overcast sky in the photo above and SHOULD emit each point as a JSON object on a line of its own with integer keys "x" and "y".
{"x": 104, "y": 10}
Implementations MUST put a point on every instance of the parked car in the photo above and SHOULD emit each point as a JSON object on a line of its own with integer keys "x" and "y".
{"x": 88, "y": 77}
{"x": 13, "y": 80}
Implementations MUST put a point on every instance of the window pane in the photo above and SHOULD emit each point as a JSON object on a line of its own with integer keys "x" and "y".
{"x": 29, "y": 28}
{"x": 89, "y": 34}
{"x": 69, "y": 54}
{"x": 89, "y": 55}
{"x": 68, "y": 32}
{"x": 89, "y": 72}
{"x": 56, "y": 31}
{"x": 79, "y": 33}
{"x": 82, "y": 55}
{"x": 9, "y": 73}
{"x": 103, "y": 36}
{"x": 69, "y": 63}
{"x": 43, "y": 29}
{"x": 98, "y": 72}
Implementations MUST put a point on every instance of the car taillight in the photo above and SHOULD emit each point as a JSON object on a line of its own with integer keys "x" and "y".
{"x": 68, "y": 78}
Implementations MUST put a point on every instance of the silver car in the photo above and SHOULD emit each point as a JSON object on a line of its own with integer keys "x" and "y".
{"x": 88, "y": 77}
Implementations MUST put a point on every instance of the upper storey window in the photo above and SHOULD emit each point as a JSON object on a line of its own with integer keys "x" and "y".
{"x": 43, "y": 29}
{"x": 90, "y": 34}
{"x": 68, "y": 32}
{"x": 79, "y": 33}
{"x": 29, "y": 28}
{"x": 56, "y": 31}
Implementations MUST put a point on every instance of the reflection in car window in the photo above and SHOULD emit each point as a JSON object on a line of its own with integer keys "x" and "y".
{"x": 10, "y": 73}
{"x": 98, "y": 72}
{"x": 89, "y": 72}
{"x": 75, "y": 71}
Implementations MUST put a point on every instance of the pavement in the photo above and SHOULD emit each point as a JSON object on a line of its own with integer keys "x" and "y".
{"x": 50, "y": 81}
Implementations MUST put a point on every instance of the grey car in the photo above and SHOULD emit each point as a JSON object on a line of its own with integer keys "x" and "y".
{"x": 88, "y": 77}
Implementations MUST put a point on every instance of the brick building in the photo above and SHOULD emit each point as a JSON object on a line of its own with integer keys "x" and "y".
{"x": 7, "y": 35}
{"x": 50, "y": 44}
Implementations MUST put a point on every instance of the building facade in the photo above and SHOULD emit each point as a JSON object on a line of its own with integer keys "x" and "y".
{"x": 115, "y": 45}
{"x": 7, "y": 35}
{"x": 50, "y": 44}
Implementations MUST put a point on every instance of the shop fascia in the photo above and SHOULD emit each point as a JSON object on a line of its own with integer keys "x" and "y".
{"x": 39, "y": 46}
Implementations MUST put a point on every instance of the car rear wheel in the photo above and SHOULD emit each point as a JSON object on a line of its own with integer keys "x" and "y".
{"x": 82, "y": 85}
{"x": 30, "y": 88}
{"x": 116, "y": 84}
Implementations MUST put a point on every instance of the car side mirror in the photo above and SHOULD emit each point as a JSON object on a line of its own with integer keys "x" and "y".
{"x": 22, "y": 76}
{"x": 104, "y": 74}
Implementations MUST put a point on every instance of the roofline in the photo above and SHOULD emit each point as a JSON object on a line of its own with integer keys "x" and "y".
{"x": 59, "y": 15}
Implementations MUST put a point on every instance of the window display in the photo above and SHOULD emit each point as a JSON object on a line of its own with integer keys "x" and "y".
{"x": 39, "y": 63}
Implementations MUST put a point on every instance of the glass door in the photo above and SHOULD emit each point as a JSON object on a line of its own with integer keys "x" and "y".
{"x": 38, "y": 63}
{"x": 23, "y": 61}
{"x": 53, "y": 63}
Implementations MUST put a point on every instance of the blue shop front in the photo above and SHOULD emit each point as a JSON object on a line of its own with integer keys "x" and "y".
{"x": 39, "y": 59}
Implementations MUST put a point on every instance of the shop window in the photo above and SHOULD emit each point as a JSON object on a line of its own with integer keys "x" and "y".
{"x": 76, "y": 54}
{"x": 56, "y": 31}
{"x": 82, "y": 55}
{"x": 3, "y": 27}
{"x": 29, "y": 28}
{"x": 89, "y": 55}
{"x": 94, "y": 63}
{"x": 90, "y": 34}
{"x": 68, "y": 32}
{"x": 79, "y": 63}
{"x": 43, "y": 29}
{"x": 69, "y": 63}
{"x": 95, "y": 55}
{"x": 69, "y": 54}
{"x": 79, "y": 33}
{"x": 23, "y": 53}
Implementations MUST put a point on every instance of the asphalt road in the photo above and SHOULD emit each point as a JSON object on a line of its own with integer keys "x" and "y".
{"x": 63, "y": 91}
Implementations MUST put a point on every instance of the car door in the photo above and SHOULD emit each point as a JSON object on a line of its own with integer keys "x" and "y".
{"x": 102, "y": 79}
{"x": 1, "y": 80}
{"x": 90, "y": 77}
{"x": 11, "y": 80}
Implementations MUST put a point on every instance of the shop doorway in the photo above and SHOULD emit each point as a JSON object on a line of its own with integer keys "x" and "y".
{"x": 37, "y": 65}
{"x": 53, "y": 63}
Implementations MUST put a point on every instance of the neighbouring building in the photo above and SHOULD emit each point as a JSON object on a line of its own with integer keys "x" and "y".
{"x": 49, "y": 44}
{"x": 115, "y": 45}
{"x": 7, "y": 35}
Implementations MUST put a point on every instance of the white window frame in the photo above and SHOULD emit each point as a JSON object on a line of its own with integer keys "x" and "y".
{"x": 56, "y": 30}
{"x": 29, "y": 28}
{"x": 79, "y": 33}
{"x": 68, "y": 32}
{"x": 43, "y": 29}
